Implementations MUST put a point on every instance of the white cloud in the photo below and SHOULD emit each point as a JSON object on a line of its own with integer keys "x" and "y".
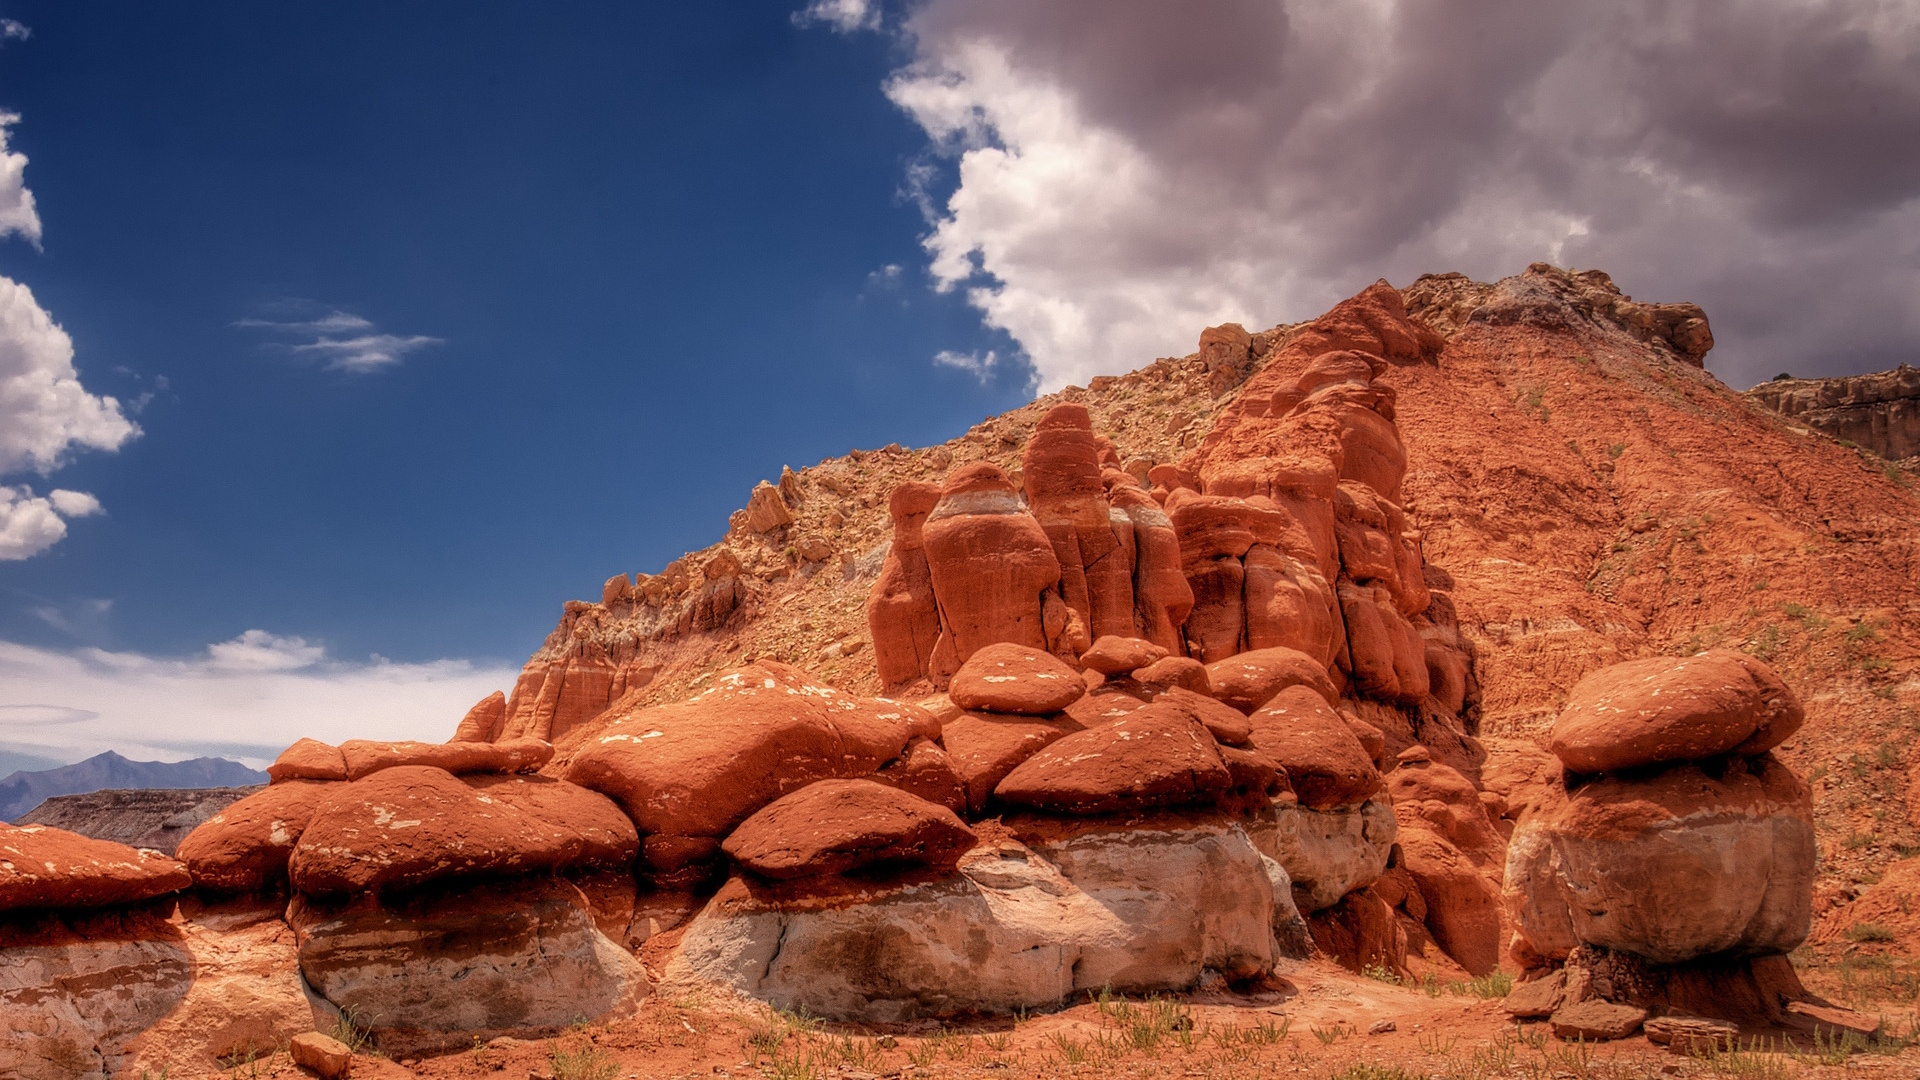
{"x": 257, "y": 650}
{"x": 1122, "y": 173}
{"x": 44, "y": 411}
{"x": 28, "y": 525}
{"x": 247, "y": 698}
{"x": 18, "y": 216}
{"x": 978, "y": 365}
{"x": 349, "y": 342}
{"x": 845, "y": 16}
{"x": 14, "y": 30}
{"x": 73, "y": 504}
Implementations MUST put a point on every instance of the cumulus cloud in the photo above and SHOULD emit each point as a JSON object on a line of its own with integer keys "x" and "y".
{"x": 247, "y": 698}
{"x": 44, "y": 411}
{"x": 1105, "y": 178}
{"x": 18, "y": 216}
{"x": 346, "y": 341}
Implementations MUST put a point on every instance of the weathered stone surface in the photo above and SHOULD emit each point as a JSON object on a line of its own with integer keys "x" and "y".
{"x": 364, "y": 757}
{"x": 1327, "y": 854}
{"x": 990, "y": 562}
{"x": 1112, "y": 655}
{"x": 1228, "y": 725}
{"x": 901, "y": 613}
{"x": 432, "y": 973}
{"x": 308, "y": 759}
{"x": 1008, "y": 678}
{"x": 485, "y": 721}
{"x": 1674, "y": 866}
{"x": 1692, "y": 1034}
{"x": 413, "y": 824}
{"x": 54, "y": 869}
{"x": 837, "y": 826}
{"x": 1018, "y": 926}
{"x": 75, "y": 994}
{"x": 1663, "y": 709}
{"x": 245, "y": 995}
{"x": 325, "y": 1055}
{"x": 1536, "y": 1000}
{"x": 1596, "y": 1021}
{"x": 1156, "y": 757}
{"x": 925, "y": 770}
{"x": 766, "y": 510}
{"x": 1251, "y": 679}
{"x": 245, "y": 847}
{"x": 1879, "y": 410}
{"x": 985, "y": 747}
{"x": 699, "y": 767}
{"x": 1325, "y": 762}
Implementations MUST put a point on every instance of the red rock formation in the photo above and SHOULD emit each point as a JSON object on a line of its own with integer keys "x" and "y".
{"x": 993, "y": 571}
{"x": 837, "y": 826}
{"x": 1008, "y": 678}
{"x": 1158, "y": 756}
{"x": 244, "y": 848}
{"x": 41, "y": 867}
{"x": 900, "y": 610}
{"x": 1648, "y": 712}
{"x": 486, "y": 720}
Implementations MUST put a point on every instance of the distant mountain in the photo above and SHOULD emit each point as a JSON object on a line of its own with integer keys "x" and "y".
{"x": 23, "y": 791}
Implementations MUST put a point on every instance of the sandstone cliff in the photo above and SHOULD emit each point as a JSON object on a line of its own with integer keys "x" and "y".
{"x": 1879, "y": 411}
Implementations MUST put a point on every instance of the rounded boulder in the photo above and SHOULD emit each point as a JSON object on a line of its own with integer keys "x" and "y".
{"x": 1008, "y": 678}
{"x": 838, "y": 826}
{"x": 1667, "y": 709}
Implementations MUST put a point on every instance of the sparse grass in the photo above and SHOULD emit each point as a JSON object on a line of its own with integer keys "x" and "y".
{"x": 1888, "y": 756}
{"x": 349, "y": 1030}
{"x": 1870, "y": 978}
{"x": 1868, "y": 931}
{"x": 1616, "y": 450}
{"x": 1328, "y": 1036}
{"x": 1071, "y": 1052}
{"x": 1369, "y": 1071}
{"x": 584, "y": 1061}
{"x": 1766, "y": 642}
{"x": 1756, "y": 1060}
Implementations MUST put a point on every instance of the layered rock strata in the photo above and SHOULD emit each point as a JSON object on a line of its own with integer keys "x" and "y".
{"x": 1879, "y": 411}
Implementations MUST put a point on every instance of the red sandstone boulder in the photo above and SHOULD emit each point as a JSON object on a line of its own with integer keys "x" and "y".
{"x": 1156, "y": 757}
{"x": 412, "y": 824}
{"x": 697, "y": 768}
{"x": 1662, "y": 709}
{"x": 923, "y": 769}
{"x": 837, "y": 826}
{"x": 308, "y": 759}
{"x": 1112, "y": 655}
{"x": 1228, "y": 725}
{"x": 1008, "y": 678}
{"x": 985, "y": 747}
{"x": 364, "y": 757}
{"x": 901, "y": 613}
{"x": 1325, "y": 763}
{"x": 42, "y": 867}
{"x": 1251, "y": 679}
{"x": 1290, "y": 605}
{"x": 1389, "y": 657}
{"x": 1108, "y": 701}
{"x": 1183, "y": 671}
{"x": 990, "y": 562}
{"x": 483, "y": 722}
{"x": 244, "y": 848}
{"x": 1061, "y": 471}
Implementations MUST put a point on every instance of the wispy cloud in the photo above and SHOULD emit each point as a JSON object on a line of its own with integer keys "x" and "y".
{"x": 845, "y": 16}
{"x": 249, "y": 697}
{"x": 14, "y": 30}
{"x": 979, "y": 365}
{"x": 347, "y": 342}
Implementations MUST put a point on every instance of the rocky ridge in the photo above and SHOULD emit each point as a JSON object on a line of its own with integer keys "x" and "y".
{"x": 1879, "y": 411}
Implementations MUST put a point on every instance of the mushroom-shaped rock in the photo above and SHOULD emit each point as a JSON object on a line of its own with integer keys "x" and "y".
{"x": 1251, "y": 679}
{"x": 837, "y": 826}
{"x": 1325, "y": 762}
{"x": 308, "y": 759}
{"x": 244, "y": 848}
{"x": 985, "y": 747}
{"x": 1673, "y": 866}
{"x": 1113, "y": 655}
{"x": 1645, "y": 712}
{"x": 412, "y": 824}
{"x": 1155, "y": 757}
{"x": 364, "y": 757}
{"x": 699, "y": 767}
{"x": 1009, "y": 678}
{"x": 43, "y": 867}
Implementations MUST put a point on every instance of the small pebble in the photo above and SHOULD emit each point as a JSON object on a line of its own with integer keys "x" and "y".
{"x": 1381, "y": 1027}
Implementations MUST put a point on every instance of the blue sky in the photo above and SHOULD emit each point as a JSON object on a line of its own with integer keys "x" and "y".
{"x": 432, "y": 316}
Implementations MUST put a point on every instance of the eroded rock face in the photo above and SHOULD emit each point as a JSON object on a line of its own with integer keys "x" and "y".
{"x": 1020, "y": 925}
{"x": 1671, "y": 867}
{"x": 1157, "y": 756}
{"x": 1880, "y": 411}
{"x": 433, "y": 972}
{"x": 75, "y": 993}
{"x": 245, "y": 847}
{"x": 837, "y": 826}
{"x": 1007, "y": 678}
{"x": 1327, "y": 854}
